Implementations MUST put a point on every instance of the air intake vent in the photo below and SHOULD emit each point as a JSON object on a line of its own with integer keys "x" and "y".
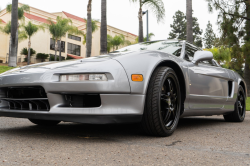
{"x": 24, "y": 98}
{"x": 83, "y": 101}
{"x": 230, "y": 88}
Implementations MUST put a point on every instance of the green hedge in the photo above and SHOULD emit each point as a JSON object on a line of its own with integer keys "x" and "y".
{"x": 248, "y": 103}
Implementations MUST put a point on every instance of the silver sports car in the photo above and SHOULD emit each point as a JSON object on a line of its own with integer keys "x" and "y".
{"x": 154, "y": 83}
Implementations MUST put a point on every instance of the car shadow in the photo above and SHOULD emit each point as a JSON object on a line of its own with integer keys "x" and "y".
{"x": 115, "y": 132}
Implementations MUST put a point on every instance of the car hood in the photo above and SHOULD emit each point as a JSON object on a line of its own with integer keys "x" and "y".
{"x": 42, "y": 67}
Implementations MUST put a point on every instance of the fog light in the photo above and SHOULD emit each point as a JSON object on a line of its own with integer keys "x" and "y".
{"x": 83, "y": 77}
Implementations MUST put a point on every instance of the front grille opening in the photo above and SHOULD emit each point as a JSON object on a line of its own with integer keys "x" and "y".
{"x": 24, "y": 98}
{"x": 25, "y": 92}
{"x": 83, "y": 100}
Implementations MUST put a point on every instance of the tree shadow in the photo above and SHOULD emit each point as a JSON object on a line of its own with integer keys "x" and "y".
{"x": 113, "y": 133}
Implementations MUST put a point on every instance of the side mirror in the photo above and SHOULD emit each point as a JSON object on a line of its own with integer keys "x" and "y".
{"x": 202, "y": 56}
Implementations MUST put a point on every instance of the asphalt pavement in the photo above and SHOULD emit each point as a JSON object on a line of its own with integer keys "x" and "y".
{"x": 197, "y": 141}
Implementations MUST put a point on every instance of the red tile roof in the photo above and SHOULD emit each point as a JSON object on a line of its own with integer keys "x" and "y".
{"x": 2, "y": 21}
{"x": 74, "y": 56}
{"x": 33, "y": 17}
{"x": 132, "y": 34}
{"x": 74, "y": 17}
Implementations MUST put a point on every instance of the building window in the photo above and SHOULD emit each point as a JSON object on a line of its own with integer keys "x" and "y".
{"x": 74, "y": 37}
{"x": 52, "y": 45}
{"x": 74, "y": 49}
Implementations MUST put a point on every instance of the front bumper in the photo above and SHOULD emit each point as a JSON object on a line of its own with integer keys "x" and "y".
{"x": 115, "y": 108}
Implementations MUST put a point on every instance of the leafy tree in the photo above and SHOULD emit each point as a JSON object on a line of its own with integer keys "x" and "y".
{"x": 157, "y": 6}
{"x": 28, "y": 31}
{"x": 117, "y": 41}
{"x": 25, "y": 52}
{"x": 17, "y": 13}
{"x": 104, "y": 28}
{"x": 222, "y": 55}
{"x": 89, "y": 30}
{"x": 197, "y": 32}
{"x": 179, "y": 29}
{"x": 234, "y": 21}
{"x": 42, "y": 56}
{"x": 209, "y": 36}
{"x": 190, "y": 25}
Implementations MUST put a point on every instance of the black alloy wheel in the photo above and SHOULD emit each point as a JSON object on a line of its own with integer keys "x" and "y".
{"x": 239, "y": 108}
{"x": 241, "y": 103}
{"x": 169, "y": 102}
{"x": 163, "y": 103}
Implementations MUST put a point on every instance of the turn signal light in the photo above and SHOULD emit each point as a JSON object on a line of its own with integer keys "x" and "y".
{"x": 137, "y": 77}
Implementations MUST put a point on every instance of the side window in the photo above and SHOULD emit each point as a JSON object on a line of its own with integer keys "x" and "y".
{"x": 189, "y": 52}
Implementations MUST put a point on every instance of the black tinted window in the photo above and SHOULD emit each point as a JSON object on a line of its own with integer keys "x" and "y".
{"x": 52, "y": 45}
{"x": 169, "y": 47}
{"x": 189, "y": 52}
{"x": 74, "y": 49}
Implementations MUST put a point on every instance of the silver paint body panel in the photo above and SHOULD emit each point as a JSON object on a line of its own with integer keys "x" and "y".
{"x": 206, "y": 86}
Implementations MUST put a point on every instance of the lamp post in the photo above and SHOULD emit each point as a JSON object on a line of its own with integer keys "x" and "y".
{"x": 6, "y": 58}
{"x": 146, "y": 12}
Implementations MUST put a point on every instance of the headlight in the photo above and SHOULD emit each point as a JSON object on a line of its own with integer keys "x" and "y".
{"x": 83, "y": 77}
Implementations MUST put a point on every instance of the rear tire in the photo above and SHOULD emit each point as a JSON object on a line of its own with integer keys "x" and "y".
{"x": 239, "y": 108}
{"x": 44, "y": 122}
{"x": 163, "y": 103}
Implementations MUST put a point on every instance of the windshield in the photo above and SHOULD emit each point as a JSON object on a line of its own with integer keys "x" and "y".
{"x": 169, "y": 47}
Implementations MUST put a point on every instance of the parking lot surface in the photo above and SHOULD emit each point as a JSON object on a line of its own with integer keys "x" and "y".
{"x": 197, "y": 141}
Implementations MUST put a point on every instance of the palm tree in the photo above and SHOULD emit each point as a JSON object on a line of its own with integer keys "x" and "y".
{"x": 29, "y": 30}
{"x": 60, "y": 29}
{"x": 94, "y": 28}
{"x": 116, "y": 42}
{"x": 67, "y": 27}
{"x": 7, "y": 30}
{"x": 145, "y": 38}
{"x": 16, "y": 14}
{"x": 104, "y": 27}
{"x": 157, "y": 7}
{"x": 89, "y": 30}
{"x": 189, "y": 13}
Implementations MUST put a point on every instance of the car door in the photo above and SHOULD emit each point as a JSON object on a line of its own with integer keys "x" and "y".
{"x": 208, "y": 84}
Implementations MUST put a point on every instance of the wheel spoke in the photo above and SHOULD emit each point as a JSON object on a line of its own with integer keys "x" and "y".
{"x": 168, "y": 115}
{"x": 170, "y": 86}
{"x": 240, "y": 110}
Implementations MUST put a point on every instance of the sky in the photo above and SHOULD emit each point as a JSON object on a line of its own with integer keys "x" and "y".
{"x": 123, "y": 14}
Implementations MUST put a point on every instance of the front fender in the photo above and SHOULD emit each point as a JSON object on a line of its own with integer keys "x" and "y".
{"x": 144, "y": 63}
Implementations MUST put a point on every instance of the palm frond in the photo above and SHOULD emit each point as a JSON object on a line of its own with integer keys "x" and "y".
{"x": 22, "y": 36}
{"x": 6, "y": 29}
{"x": 21, "y": 10}
{"x": 30, "y": 29}
{"x": 157, "y": 6}
{"x": 94, "y": 24}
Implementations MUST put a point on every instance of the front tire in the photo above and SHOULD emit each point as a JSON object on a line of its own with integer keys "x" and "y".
{"x": 163, "y": 103}
{"x": 239, "y": 108}
{"x": 44, "y": 122}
